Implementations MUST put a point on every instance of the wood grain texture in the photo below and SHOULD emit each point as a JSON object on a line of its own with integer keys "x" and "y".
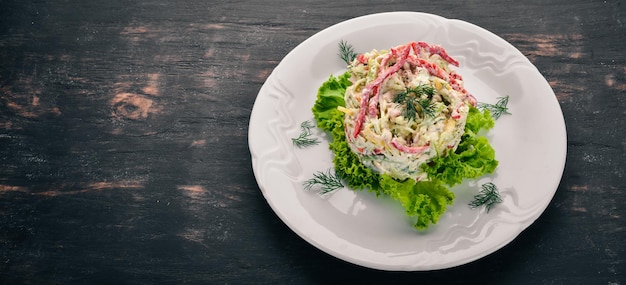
{"x": 124, "y": 155}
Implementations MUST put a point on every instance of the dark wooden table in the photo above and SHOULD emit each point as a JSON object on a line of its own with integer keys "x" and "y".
{"x": 124, "y": 154}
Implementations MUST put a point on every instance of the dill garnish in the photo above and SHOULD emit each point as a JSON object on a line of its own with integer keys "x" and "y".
{"x": 415, "y": 102}
{"x": 346, "y": 52}
{"x": 488, "y": 197}
{"x": 327, "y": 181}
{"x": 305, "y": 138}
{"x": 497, "y": 109}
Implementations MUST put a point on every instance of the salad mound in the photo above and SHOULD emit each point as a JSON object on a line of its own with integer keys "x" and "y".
{"x": 404, "y": 107}
{"x": 402, "y": 125}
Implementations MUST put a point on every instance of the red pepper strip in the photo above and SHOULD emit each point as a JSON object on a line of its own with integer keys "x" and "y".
{"x": 369, "y": 88}
{"x": 435, "y": 49}
{"x": 359, "y": 120}
{"x": 453, "y": 77}
{"x": 432, "y": 68}
{"x": 362, "y": 58}
{"x": 373, "y": 104}
{"x": 408, "y": 149}
{"x": 457, "y": 86}
{"x": 456, "y": 76}
{"x": 437, "y": 71}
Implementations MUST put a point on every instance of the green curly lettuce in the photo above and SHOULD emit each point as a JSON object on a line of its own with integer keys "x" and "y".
{"x": 424, "y": 201}
{"x": 329, "y": 96}
{"x": 473, "y": 158}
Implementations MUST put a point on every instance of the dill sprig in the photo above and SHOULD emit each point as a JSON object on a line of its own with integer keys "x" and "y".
{"x": 488, "y": 197}
{"x": 346, "y": 52}
{"x": 326, "y": 181}
{"x": 306, "y": 136}
{"x": 414, "y": 102}
{"x": 497, "y": 109}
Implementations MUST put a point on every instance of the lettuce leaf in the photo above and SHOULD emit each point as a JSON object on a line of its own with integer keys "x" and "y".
{"x": 473, "y": 158}
{"x": 425, "y": 201}
{"x": 477, "y": 121}
{"x": 329, "y": 96}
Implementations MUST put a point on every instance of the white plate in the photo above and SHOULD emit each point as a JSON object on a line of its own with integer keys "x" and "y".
{"x": 374, "y": 232}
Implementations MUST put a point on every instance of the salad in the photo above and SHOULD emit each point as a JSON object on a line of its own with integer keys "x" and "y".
{"x": 403, "y": 125}
{"x": 404, "y": 107}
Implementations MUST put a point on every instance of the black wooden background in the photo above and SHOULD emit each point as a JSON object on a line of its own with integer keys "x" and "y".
{"x": 124, "y": 155}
